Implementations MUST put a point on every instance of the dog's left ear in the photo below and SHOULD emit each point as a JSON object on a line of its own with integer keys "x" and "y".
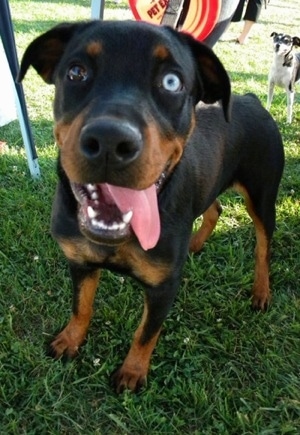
{"x": 45, "y": 52}
{"x": 296, "y": 41}
{"x": 214, "y": 82}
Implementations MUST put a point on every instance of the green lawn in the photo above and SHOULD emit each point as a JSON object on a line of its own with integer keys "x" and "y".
{"x": 219, "y": 368}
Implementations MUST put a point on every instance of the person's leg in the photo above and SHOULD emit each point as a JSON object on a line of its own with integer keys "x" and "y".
{"x": 253, "y": 10}
{"x": 245, "y": 32}
{"x": 237, "y": 16}
{"x": 251, "y": 16}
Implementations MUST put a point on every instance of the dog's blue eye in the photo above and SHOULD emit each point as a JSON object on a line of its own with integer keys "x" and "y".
{"x": 77, "y": 73}
{"x": 171, "y": 82}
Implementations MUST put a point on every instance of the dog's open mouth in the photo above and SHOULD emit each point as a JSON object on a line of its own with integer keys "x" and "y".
{"x": 108, "y": 214}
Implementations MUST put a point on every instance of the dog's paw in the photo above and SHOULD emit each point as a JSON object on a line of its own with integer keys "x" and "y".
{"x": 260, "y": 302}
{"x": 125, "y": 378}
{"x": 65, "y": 345}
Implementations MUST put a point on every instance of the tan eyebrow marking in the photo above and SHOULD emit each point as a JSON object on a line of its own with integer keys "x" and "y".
{"x": 94, "y": 48}
{"x": 161, "y": 52}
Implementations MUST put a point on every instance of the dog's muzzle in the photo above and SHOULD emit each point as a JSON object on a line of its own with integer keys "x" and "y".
{"x": 110, "y": 142}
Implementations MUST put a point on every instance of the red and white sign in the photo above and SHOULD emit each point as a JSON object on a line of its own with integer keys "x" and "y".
{"x": 200, "y": 19}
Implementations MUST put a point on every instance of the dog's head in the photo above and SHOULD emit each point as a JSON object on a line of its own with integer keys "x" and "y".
{"x": 283, "y": 43}
{"x": 125, "y": 94}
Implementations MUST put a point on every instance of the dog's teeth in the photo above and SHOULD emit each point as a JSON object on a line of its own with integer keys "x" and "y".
{"x": 94, "y": 195}
{"x": 127, "y": 216}
{"x": 91, "y": 212}
{"x": 90, "y": 187}
{"x": 114, "y": 226}
{"x": 102, "y": 225}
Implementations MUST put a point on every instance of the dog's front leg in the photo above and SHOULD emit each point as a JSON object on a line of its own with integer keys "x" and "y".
{"x": 132, "y": 374}
{"x": 270, "y": 94}
{"x": 290, "y": 95}
{"x": 85, "y": 281}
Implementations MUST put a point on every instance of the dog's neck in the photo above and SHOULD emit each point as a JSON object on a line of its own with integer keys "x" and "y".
{"x": 288, "y": 59}
{"x": 283, "y": 60}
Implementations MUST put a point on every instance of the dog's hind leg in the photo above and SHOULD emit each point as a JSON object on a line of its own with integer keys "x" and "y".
{"x": 262, "y": 213}
{"x": 261, "y": 293}
{"x": 210, "y": 219}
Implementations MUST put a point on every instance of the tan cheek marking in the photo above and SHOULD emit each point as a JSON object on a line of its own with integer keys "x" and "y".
{"x": 158, "y": 151}
{"x": 67, "y": 137}
{"x": 179, "y": 144}
{"x": 94, "y": 48}
{"x": 61, "y": 132}
{"x": 66, "y": 134}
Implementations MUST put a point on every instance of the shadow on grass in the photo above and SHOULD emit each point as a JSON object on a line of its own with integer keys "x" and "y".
{"x": 42, "y": 130}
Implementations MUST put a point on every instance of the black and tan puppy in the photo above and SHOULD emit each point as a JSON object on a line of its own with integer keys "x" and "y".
{"x": 143, "y": 151}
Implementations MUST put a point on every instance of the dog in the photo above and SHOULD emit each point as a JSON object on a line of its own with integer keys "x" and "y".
{"x": 285, "y": 69}
{"x": 145, "y": 146}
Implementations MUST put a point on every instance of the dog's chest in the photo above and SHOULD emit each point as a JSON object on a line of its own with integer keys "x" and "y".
{"x": 281, "y": 74}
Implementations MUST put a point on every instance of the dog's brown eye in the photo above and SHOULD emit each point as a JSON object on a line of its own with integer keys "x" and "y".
{"x": 77, "y": 73}
{"x": 171, "y": 82}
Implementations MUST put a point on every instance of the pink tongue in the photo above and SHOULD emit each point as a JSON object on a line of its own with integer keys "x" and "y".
{"x": 145, "y": 221}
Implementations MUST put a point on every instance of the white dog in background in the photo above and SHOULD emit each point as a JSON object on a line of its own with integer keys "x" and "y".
{"x": 285, "y": 69}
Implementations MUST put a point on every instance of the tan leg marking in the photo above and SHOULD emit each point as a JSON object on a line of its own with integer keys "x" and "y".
{"x": 71, "y": 337}
{"x": 133, "y": 373}
{"x": 210, "y": 219}
{"x": 261, "y": 293}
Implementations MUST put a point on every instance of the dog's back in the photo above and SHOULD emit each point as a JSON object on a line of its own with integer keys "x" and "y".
{"x": 246, "y": 144}
{"x": 297, "y": 67}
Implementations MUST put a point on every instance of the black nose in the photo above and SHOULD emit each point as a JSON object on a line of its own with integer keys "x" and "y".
{"x": 110, "y": 141}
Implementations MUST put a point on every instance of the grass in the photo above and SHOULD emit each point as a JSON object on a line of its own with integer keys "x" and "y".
{"x": 218, "y": 368}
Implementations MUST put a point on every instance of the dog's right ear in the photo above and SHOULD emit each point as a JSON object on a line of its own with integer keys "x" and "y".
{"x": 273, "y": 34}
{"x": 45, "y": 51}
{"x": 296, "y": 41}
{"x": 213, "y": 80}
